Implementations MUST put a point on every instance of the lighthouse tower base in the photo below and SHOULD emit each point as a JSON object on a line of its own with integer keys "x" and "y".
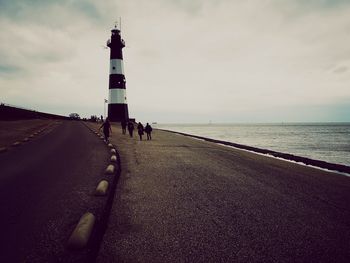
{"x": 118, "y": 112}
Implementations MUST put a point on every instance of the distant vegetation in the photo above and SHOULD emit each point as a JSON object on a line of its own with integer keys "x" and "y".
{"x": 74, "y": 116}
{"x": 93, "y": 118}
{"x": 11, "y": 113}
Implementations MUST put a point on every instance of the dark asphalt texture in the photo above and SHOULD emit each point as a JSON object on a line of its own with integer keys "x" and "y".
{"x": 184, "y": 200}
{"x": 46, "y": 185}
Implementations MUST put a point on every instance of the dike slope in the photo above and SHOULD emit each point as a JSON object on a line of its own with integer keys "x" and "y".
{"x": 181, "y": 199}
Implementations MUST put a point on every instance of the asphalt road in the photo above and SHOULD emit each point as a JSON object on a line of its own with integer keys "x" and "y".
{"x": 185, "y": 200}
{"x": 46, "y": 185}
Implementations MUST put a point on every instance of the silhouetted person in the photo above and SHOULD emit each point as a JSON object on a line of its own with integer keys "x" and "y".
{"x": 140, "y": 130}
{"x": 148, "y": 130}
{"x": 101, "y": 118}
{"x": 123, "y": 124}
{"x": 130, "y": 128}
{"x": 106, "y": 129}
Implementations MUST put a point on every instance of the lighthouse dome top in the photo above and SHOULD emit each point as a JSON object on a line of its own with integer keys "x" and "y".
{"x": 115, "y": 31}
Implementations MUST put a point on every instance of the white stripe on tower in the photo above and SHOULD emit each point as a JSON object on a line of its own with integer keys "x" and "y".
{"x": 117, "y": 96}
{"x": 116, "y": 66}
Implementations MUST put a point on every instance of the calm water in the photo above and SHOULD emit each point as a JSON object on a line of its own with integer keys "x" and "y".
{"x": 327, "y": 142}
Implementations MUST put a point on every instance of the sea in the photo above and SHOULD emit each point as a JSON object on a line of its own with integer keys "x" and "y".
{"x": 328, "y": 142}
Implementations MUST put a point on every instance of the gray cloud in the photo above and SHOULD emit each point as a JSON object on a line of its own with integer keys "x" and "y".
{"x": 341, "y": 69}
{"x": 6, "y": 69}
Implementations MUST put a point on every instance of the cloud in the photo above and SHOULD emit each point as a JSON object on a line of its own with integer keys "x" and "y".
{"x": 341, "y": 69}
{"x": 6, "y": 69}
{"x": 196, "y": 58}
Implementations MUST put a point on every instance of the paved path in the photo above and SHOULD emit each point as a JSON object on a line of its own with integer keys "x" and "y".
{"x": 185, "y": 200}
{"x": 45, "y": 187}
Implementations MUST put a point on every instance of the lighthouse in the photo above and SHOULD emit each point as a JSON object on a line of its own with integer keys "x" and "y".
{"x": 117, "y": 103}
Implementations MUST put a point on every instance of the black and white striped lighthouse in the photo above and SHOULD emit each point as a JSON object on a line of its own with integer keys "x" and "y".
{"x": 117, "y": 104}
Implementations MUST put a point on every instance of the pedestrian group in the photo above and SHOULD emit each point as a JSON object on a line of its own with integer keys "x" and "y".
{"x": 106, "y": 125}
{"x": 141, "y": 130}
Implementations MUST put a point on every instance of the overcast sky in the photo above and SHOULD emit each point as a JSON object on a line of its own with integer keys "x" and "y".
{"x": 185, "y": 61}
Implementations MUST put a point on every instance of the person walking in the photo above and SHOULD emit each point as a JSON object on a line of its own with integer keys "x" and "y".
{"x": 140, "y": 130}
{"x": 123, "y": 124}
{"x": 130, "y": 128}
{"x": 148, "y": 130}
{"x": 107, "y": 130}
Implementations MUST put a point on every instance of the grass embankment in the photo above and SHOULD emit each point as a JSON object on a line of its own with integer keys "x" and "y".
{"x": 13, "y": 131}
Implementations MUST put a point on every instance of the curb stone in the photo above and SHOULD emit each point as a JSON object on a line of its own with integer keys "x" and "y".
{"x": 81, "y": 234}
{"x": 110, "y": 169}
{"x": 101, "y": 188}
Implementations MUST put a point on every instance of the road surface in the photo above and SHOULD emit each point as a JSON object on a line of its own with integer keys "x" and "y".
{"x": 46, "y": 185}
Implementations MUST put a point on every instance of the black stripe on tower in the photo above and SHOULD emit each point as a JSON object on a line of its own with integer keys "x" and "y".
{"x": 116, "y": 53}
{"x": 118, "y": 112}
{"x": 117, "y": 81}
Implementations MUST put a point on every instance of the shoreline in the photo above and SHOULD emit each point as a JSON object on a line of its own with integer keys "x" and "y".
{"x": 279, "y": 155}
